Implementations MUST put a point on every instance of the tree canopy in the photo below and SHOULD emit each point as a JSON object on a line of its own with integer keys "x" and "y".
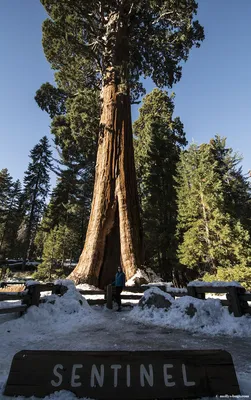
{"x": 81, "y": 40}
{"x": 159, "y": 138}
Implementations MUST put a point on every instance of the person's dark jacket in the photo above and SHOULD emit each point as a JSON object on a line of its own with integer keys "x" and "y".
{"x": 119, "y": 279}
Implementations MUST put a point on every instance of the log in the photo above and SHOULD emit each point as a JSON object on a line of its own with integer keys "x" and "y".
{"x": 93, "y": 302}
{"x": 7, "y": 310}
{"x": 210, "y": 289}
{"x": 245, "y": 297}
{"x": 12, "y": 295}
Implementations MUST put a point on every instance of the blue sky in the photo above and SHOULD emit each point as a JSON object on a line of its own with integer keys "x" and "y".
{"x": 213, "y": 96}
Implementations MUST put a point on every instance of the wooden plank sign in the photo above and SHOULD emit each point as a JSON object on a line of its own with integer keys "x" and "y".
{"x": 123, "y": 374}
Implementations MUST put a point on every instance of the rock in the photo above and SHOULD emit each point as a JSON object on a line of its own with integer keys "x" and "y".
{"x": 138, "y": 281}
{"x": 191, "y": 310}
{"x": 155, "y": 298}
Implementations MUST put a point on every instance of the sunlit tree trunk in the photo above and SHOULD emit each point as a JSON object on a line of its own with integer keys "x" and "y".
{"x": 114, "y": 232}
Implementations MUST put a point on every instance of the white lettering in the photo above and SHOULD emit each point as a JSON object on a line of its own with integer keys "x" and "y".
{"x": 166, "y": 376}
{"x": 115, "y": 367}
{"x": 74, "y": 376}
{"x": 184, "y": 373}
{"x": 128, "y": 376}
{"x": 98, "y": 375}
{"x": 144, "y": 374}
{"x": 58, "y": 375}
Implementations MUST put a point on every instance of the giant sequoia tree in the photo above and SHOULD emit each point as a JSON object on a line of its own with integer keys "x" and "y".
{"x": 109, "y": 44}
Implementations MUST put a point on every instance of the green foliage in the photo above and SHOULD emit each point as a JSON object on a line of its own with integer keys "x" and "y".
{"x": 210, "y": 236}
{"x": 155, "y": 37}
{"x": 36, "y": 190}
{"x": 76, "y": 132}
{"x": 10, "y": 214}
{"x": 159, "y": 138}
{"x": 51, "y": 99}
{"x": 239, "y": 274}
{"x": 60, "y": 244}
{"x": 69, "y": 208}
{"x": 237, "y": 190}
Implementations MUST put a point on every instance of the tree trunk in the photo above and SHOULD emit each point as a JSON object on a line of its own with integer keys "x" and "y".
{"x": 114, "y": 232}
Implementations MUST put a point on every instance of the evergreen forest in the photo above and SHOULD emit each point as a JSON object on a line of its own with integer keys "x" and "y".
{"x": 195, "y": 200}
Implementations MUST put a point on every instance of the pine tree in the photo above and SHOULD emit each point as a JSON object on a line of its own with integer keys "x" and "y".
{"x": 209, "y": 236}
{"x": 36, "y": 190}
{"x": 10, "y": 214}
{"x": 159, "y": 138}
{"x": 5, "y": 193}
{"x": 61, "y": 243}
{"x": 237, "y": 189}
{"x": 109, "y": 45}
{"x": 68, "y": 210}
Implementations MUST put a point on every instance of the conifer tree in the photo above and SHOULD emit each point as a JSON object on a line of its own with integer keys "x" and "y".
{"x": 60, "y": 244}
{"x": 5, "y": 199}
{"x": 36, "y": 190}
{"x": 68, "y": 211}
{"x": 237, "y": 189}
{"x": 10, "y": 214}
{"x": 159, "y": 138}
{"x": 209, "y": 236}
{"x": 109, "y": 45}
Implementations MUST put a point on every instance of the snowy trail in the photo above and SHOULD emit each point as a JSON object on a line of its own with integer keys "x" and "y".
{"x": 69, "y": 323}
{"x": 110, "y": 330}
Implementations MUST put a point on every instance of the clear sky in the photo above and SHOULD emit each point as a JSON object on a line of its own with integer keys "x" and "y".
{"x": 213, "y": 96}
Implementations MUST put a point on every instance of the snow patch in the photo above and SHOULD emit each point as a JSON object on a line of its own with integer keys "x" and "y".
{"x": 176, "y": 290}
{"x": 64, "y": 282}
{"x": 214, "y": 283}
{"x": 210, "y": 317}
{"x": 148, "y": 275}
{"x": 155, "y": 290}
{"x": 85, "y": 286}
{"x": 31, "y": 283}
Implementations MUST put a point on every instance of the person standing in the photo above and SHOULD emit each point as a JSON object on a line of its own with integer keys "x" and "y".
{"x": 119, "y": 284}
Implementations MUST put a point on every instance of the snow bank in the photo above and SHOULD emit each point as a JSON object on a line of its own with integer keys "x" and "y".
{"x": 144, "y": 276}
{"x": 31, "y": 283}
{"x": 56, "y": 314}
{"x": 176, "y": 290}
{"x": 214, "y": 283}
{"x": 206, "y": 316}
{"x": 85, "y": 286}
{"x": 155, "y": 290}
{"x": 62, "y": 395}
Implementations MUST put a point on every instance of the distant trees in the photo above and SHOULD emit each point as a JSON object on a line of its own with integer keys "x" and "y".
{"x": 159, "y": 138}
{"x": 10, "y": 214}
{"x": 35, "y": 192}
{"x": 63, "y": 228}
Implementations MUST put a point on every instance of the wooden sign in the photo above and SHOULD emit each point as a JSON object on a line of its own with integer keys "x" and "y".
{"x": 123, "y": 374}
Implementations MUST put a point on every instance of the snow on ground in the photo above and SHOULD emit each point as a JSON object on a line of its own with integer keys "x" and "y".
{"x": 148, "y": 275}
{"x": 85, "y": 286}
{"x": 214, "y": 283}
{"x": 63, "y": 323}
{"x": 208, "y": 316}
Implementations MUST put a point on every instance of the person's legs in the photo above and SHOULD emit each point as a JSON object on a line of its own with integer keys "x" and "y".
{"x": 118, "y": 298}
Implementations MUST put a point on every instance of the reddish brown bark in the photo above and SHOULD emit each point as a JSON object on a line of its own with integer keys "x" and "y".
{"x": 114, "y": 232}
